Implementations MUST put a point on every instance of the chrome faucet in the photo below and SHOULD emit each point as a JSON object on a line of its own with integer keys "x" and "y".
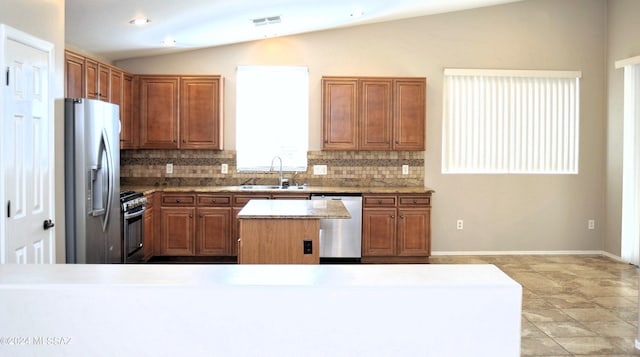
{"x": 280, "y": 179}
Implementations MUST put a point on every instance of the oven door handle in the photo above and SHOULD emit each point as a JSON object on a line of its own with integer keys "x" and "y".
{"x": 135, "y": 214}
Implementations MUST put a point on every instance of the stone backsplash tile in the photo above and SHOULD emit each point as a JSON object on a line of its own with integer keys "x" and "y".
{"x": 202, "y": 168}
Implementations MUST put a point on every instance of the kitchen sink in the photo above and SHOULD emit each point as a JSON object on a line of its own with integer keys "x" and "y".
{"x": 270, "y": 187}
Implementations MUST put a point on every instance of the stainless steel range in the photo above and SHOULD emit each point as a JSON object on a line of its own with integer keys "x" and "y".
{"x": 133, "y": 207}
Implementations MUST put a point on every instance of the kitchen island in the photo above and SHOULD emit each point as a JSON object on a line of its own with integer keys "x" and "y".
{"x": 284, "y": 231}
{"x": 259, "y": 310}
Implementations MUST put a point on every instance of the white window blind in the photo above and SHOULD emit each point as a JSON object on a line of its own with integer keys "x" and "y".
{"x": 516, "y": 122}
{"x": 272, "y": 117}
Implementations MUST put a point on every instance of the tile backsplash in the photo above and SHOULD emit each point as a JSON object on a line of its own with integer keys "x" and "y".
{"x": 203, "y": 168}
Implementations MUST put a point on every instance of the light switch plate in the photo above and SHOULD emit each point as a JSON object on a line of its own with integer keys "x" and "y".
{"x": 405, "y": 169}
{"x": 169, "y": 168}
{"x": 224, "y": 168}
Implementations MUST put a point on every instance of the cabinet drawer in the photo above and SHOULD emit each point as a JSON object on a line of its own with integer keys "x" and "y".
{"x": 379, "y": 201}
{"x": 214, "y": 200}
{"x": 413, "y": 201}
{"x": 241, "y": 200}
{"x": 178, "y": 200}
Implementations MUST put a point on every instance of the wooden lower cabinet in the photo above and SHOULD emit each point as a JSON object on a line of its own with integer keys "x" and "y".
{"x": 177, "y": 231}
{"x": 195, "y": 225}
{"x": 213, "y": 232}
{"x": 150, "y": 226}
{"x": 396, "y": 228}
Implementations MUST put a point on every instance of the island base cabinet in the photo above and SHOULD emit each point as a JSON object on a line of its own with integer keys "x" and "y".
{"x": 278, "y": 241}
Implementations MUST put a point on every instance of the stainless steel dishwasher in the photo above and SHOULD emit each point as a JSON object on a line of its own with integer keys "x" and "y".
{"x": 342, "y": 238}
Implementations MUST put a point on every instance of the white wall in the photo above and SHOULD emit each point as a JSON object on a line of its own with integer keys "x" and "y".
{"x": 45, "y": 19}
{"x": 501, "y": 212}
{"x": 623, "y": 41}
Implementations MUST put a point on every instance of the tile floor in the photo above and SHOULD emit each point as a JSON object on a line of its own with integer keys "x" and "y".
{"x": 573, "y": 305}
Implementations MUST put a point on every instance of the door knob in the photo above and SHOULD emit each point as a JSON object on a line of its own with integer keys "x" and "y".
{"x": 47, "y": 224}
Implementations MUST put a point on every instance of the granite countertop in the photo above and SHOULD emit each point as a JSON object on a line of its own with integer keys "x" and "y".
{"x": 271, "y": 189}
{"x": 293, "y": 209}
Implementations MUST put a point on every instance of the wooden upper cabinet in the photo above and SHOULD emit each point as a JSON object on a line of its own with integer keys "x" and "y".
{"x": 375, "y": 114}
{"x": 409, "y": 113}
{"x": 97, "y": 80}
{"x": 116, "y": 78}
{"x": 74, "y": 75}
{"x": 159, "y": 112}
{"x": 339, "y": 114}
{"x": 200, "y": 113}
{"x": 128, "y": 123}
{"x": 371, "y": 113}
{"x": 92, "y": 79}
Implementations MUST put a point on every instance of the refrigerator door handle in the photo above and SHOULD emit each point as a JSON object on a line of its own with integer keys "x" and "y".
{"x": 110, "y": 178}
{"x": 105, "y": 210}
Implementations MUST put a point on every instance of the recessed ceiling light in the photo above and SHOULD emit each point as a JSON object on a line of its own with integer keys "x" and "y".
{"x": 168, "y": 42}
{"x": 357, "y": 13}
{"x": 140, "y": 21}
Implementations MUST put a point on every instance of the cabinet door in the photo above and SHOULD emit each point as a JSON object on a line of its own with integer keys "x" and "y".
{"x": 128, "y": 122}
{"x": 214, "y": 231}
{"x": 409, "y": 114}
{"x": 378, "y": 232}
{"x": 149, "y": 224}
{"x": 159, "y": 112}
{"x": 200, "y": 119}
{"x": 74, "y": 75}
{"x": 91, "y": 78}
{"x": 339, "y": 113}
{"x": 104, "y": 83}
{"x": 375, "y": 114}
{"x": 115, "y": 88}
{"x": 413, "y": 232}
{"x": 177, "y": 231}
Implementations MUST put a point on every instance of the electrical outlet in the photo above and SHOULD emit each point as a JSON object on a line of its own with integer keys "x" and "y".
{"x": 169, "y": 168}
{"x": 459, "y": 224}
{"x": 405, "y": 169}
{"x": 224, "y": 168}
{"x": 308, "y": 247}
{"x": 591, "y": 224}
{"x": 319, "y": 169}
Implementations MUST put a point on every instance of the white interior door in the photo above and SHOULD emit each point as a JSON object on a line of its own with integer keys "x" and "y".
{"x": 27, "y": 150}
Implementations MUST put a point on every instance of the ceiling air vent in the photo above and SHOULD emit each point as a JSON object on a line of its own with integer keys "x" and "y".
{"x": 270, "y": 20}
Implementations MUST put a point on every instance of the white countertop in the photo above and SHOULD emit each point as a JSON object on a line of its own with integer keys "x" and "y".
{"x": 259, "y": 310}
{"x": 21, "y": 276}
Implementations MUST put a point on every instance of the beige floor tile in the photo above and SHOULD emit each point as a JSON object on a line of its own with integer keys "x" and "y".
{"x": 546, "y": 315}
{"x": 593, "y": 314}
{"x": 564, "y": 329}
{"x": 573, "y": 305}
{"x": 612, "y": 328}
{"x": 541, "y": 346}
{"x": 589, "y": 345}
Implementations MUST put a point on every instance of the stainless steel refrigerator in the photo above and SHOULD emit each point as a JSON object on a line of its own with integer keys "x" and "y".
{"x": 92, "y": 182}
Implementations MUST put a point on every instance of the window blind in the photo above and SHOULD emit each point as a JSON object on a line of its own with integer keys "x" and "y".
{"x": 516, "y": 122}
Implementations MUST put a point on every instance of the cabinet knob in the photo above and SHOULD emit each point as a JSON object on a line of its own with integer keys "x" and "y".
{"x": 183, "y": 141}
{"x": 190, "y": 215}
{"x": 213, "y": 201}
{"x": 401, "y": 217}
{"x": 415, "y": 201}
{"x": 177, "y": 201}
{"x": 393, "y": 217}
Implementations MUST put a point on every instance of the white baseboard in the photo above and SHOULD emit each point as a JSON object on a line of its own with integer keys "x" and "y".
{"x": 530, "y": 252}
